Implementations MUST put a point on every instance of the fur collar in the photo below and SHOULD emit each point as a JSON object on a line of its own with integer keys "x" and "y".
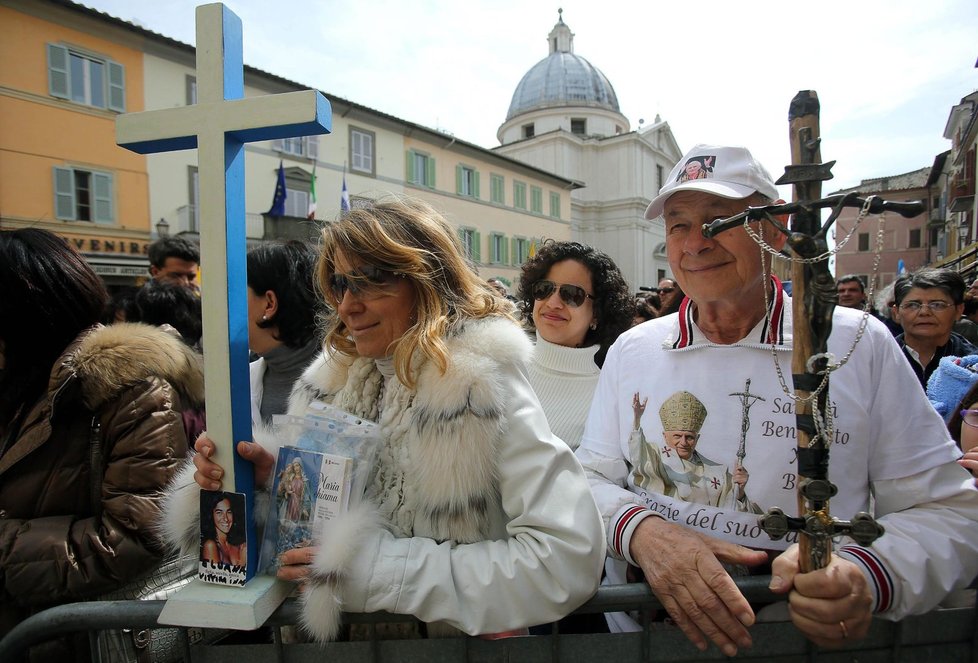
{"x": 109, "y": 359}
{"x": 449, "y": 426}
{"x": 496, "y": 338}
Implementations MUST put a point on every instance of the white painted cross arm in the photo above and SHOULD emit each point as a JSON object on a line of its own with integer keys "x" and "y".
{"x": 295, "y": 114}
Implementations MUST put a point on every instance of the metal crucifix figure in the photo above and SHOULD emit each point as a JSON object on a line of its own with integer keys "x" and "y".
{"x": 813, "y": 303}
{"x": 747, "y": 399}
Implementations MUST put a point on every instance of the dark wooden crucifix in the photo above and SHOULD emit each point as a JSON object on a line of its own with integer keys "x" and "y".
{"x": 813, "y": 302}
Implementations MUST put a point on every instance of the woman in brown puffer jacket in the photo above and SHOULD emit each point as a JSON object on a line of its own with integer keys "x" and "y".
{"x": 91, "y": 432}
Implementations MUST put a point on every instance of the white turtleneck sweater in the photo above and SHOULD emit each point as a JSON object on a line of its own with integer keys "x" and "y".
{"x": 564, "y": 379}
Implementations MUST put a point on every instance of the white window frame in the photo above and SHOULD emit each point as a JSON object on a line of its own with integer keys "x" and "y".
{"x": 71, "y": 77}
{"x": 471, "y": 240}
{"x": 100, "y": 187}
{"x": 521, "y": 250}
{"x": 193, "y": 218}
{"x": 420, "y": 169}
{"x": 191, "y": 89}
{"x": 498, "y": 249}
{"x": 467, "y": 181}
{"x": 362, "y": 151}
{"x": 296, "y": 202}
{"x": 306, "y": 147}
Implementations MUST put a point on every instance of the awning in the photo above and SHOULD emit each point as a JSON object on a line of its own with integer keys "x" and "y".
{"x": 962, "y": 203}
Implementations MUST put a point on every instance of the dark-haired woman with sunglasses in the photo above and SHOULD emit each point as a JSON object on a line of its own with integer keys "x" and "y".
{"x": 577, "y": 301}
{"x": 477, "y": 518}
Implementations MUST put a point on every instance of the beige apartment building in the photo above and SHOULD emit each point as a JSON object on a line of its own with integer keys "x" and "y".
{"x": 501, "y": 206}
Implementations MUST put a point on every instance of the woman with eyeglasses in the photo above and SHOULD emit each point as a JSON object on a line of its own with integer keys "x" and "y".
{"x": 477, "y": 519}
{"x": 929, "y": 301}
{"x": 576, "y": 300}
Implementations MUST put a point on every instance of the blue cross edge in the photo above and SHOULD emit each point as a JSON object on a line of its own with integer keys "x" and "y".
{"x": 319, "y": 122}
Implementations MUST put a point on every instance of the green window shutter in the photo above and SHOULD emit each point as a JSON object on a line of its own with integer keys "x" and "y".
{"x": 64, "y": 193}
{"x": 458, "y": 179}
{"x": 497, "y": 189}
{"x": 505, "y": 259}
{"x": 475, "y": 184}
{"x": 477, "y": 251}
{"x": 431, "y": 173}
{"x": 117, "y": 87}
{"x": 514, "y": 251}
{"x": 409, "y": 166}
{"x": 58, "y": 71}
{"x": 102, "y": 190}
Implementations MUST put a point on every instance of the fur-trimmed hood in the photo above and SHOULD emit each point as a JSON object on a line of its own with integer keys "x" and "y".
{"x": 109, "y": 359}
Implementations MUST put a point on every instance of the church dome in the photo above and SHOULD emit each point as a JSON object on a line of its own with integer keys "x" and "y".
{"x": 562, "y": 79}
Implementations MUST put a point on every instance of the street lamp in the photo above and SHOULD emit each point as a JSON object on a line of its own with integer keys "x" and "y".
{"x": 162, "y": 228}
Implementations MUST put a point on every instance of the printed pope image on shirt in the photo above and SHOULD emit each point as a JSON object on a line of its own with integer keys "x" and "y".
{"x": 671, "y": 466}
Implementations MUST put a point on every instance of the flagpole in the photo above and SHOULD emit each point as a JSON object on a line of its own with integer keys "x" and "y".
{"x": 344, "y": 194}
{"x": 311, "y": 213}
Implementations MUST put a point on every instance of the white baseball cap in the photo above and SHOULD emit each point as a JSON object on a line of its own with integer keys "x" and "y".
{"x": 728, "y": 172}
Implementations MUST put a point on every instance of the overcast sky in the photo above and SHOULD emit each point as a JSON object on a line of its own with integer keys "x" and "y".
{"x": 887, "y": 72}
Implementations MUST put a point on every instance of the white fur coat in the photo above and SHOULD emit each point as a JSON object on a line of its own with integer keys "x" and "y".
{"x": 456, "y": 468}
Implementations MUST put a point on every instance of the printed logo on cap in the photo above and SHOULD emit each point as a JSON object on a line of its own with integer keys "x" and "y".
{"x": 697, "y": 168}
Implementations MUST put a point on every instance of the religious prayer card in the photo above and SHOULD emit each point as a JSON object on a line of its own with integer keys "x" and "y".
{"x": 223, "y": 542}
{"x": 309, "y": 489}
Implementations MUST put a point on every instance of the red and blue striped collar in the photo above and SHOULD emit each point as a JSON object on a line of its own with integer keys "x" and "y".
{"x": 772, "y": 330}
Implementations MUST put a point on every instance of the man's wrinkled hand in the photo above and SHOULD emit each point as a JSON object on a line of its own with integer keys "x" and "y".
{"x": 830, "y": 605}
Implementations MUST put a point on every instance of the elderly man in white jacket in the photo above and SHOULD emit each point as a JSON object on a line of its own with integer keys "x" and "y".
{"x": 889, "y": 442}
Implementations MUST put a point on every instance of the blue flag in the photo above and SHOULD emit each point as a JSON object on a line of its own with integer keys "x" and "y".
{"x": 278, "y": 201}
{"x": 344, "y": 197}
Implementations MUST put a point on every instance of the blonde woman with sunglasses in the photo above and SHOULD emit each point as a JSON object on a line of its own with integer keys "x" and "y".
{"x": 478, "y": 520}
{"x": 577, "y": 302}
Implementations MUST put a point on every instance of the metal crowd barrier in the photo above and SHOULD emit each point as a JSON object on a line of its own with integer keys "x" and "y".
{"x": 941, "y": 636}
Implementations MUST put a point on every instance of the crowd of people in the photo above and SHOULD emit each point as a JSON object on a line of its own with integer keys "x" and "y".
{"x": 534, "y": 444}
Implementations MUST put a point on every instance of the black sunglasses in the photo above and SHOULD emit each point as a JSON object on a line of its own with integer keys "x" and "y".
{"x": 572, "y": 295}
{"x": 366, "y": 280}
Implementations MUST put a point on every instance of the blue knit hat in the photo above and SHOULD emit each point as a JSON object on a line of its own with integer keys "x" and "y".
{"x": 950, "y": 382}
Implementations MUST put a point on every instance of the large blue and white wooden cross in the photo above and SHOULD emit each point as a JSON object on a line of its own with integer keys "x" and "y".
{"x": 219, "y": 125}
